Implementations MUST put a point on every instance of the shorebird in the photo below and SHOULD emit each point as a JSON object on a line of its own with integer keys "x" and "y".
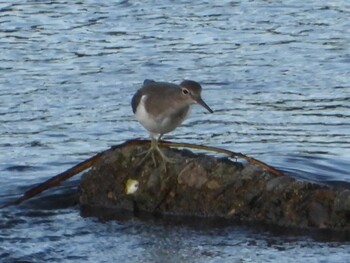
{"x": 161, "y": 107}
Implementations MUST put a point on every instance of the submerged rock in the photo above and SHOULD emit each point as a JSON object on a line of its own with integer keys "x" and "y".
{"x": 207, "y": 187}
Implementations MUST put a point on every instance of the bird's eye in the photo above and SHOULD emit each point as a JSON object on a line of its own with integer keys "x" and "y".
{"x": 185, "y": 91}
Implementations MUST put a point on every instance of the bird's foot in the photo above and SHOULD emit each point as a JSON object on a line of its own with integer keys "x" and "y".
{"x": 151, "y": 151}
{"x": 165, "y": 159}
{"x": 146, "y": 155}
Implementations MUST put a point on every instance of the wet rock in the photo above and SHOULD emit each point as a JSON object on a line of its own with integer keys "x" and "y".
{"x": 193, "y": 175}
{"x": 278, "y": 183}
{"x": 203, "y": 186}
{"x": 342, "y": 202}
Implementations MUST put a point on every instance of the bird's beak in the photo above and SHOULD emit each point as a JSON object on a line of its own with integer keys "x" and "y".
{"x": 202, "y": 103}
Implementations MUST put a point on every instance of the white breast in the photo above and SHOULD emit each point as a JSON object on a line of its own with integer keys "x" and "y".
{"x": 159, "y": 124}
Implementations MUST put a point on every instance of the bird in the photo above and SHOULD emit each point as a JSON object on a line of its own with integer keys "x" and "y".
{"x": 161, "y": 107}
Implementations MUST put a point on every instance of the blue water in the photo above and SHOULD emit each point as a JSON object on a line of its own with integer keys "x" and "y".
{"x": 275, "y": 73}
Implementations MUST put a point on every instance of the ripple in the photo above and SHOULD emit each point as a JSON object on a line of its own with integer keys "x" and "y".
{"x": 276, "y": 75}
{"x": 21, "y": 168}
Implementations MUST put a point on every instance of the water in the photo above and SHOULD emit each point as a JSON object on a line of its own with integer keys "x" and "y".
{"x": 276, "y": 73}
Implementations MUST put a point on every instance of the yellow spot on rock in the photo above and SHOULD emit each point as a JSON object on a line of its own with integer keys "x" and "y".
{"x": 131, "y": 186}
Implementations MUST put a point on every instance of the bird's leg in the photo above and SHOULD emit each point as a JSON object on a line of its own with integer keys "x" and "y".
{"x": 154, "y": 147}
{"x": 165, "y": 159}
{"x": 150, "y": 151}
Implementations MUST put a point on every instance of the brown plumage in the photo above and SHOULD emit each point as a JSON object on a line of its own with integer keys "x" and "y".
{"x": 161, "y": 106}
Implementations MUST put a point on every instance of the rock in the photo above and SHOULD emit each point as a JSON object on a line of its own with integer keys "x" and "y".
{"x": 208, "y": 187}
{"x": 193, "y": 175}
{"x": 342, "y": 202}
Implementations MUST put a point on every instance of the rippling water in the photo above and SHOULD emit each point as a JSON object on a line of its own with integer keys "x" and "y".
{"x": 276, "y": 73}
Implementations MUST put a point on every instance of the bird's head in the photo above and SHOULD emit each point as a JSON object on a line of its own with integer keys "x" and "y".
{"x": 191, "y": 92}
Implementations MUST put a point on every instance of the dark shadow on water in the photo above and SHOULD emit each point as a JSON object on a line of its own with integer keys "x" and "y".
{"x": 22, "y": 168}
{"x": 60, "y": 197}
{"x": 258, "y": 228}
{"x": 329, "y": 171}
